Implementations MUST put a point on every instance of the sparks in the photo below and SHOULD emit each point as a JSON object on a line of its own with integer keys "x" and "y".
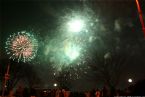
{"x": 21, "y": 46}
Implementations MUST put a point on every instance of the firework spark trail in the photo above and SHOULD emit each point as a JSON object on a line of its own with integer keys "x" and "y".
{"x": 140, "y": 16}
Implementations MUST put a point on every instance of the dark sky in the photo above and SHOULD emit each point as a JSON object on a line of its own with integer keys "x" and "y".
{"x": 42, "y": 15}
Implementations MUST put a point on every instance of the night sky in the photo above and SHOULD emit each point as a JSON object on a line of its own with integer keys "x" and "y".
{"x": 118, "y": 34}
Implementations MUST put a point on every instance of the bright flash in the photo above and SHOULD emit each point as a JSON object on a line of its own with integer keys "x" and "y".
{"x": 72, "y": 51}
{"x": 55, "y": 84}
{"x": 75, "y": 25}
{"x": 73, "y": 54}
{"x": 130, "y": 80}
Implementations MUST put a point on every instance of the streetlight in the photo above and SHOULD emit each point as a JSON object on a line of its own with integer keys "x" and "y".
{"x": 55, "y": 84}
{"x": 130, "y": 80}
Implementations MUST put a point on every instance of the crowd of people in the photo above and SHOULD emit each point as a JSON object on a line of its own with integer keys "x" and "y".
{"x": 137, "y": 89}
{"x": 26, "y": 92}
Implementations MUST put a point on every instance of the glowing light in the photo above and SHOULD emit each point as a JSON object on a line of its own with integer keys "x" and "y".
{"x": 44, "y": 91}
{"x": 55, "y": 84}
{"x": 72, "y": 54}
{"x": 72, "y": 51}
{"x": 130, "y": 80}
{"x": 21, "y": 46}
{"x": 75, "y": 25}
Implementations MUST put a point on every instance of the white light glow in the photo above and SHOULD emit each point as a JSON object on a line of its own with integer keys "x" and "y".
{"x": 73, "y": 54}
{"x": 55, "y": 84}
{"x": 130, "y": 80}
{"x": 75, "y": 25}
{"x": 72, "y": 51}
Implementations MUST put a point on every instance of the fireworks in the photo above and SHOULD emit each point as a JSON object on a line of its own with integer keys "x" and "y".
{"x": 71, "y": 51}
{"x": 75, "y": 25}
{"x": 69, "y": 46}
{"x": 73, "y": 72}
{"x": 63, "y": 52}
{"x": 22, "y": 46}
